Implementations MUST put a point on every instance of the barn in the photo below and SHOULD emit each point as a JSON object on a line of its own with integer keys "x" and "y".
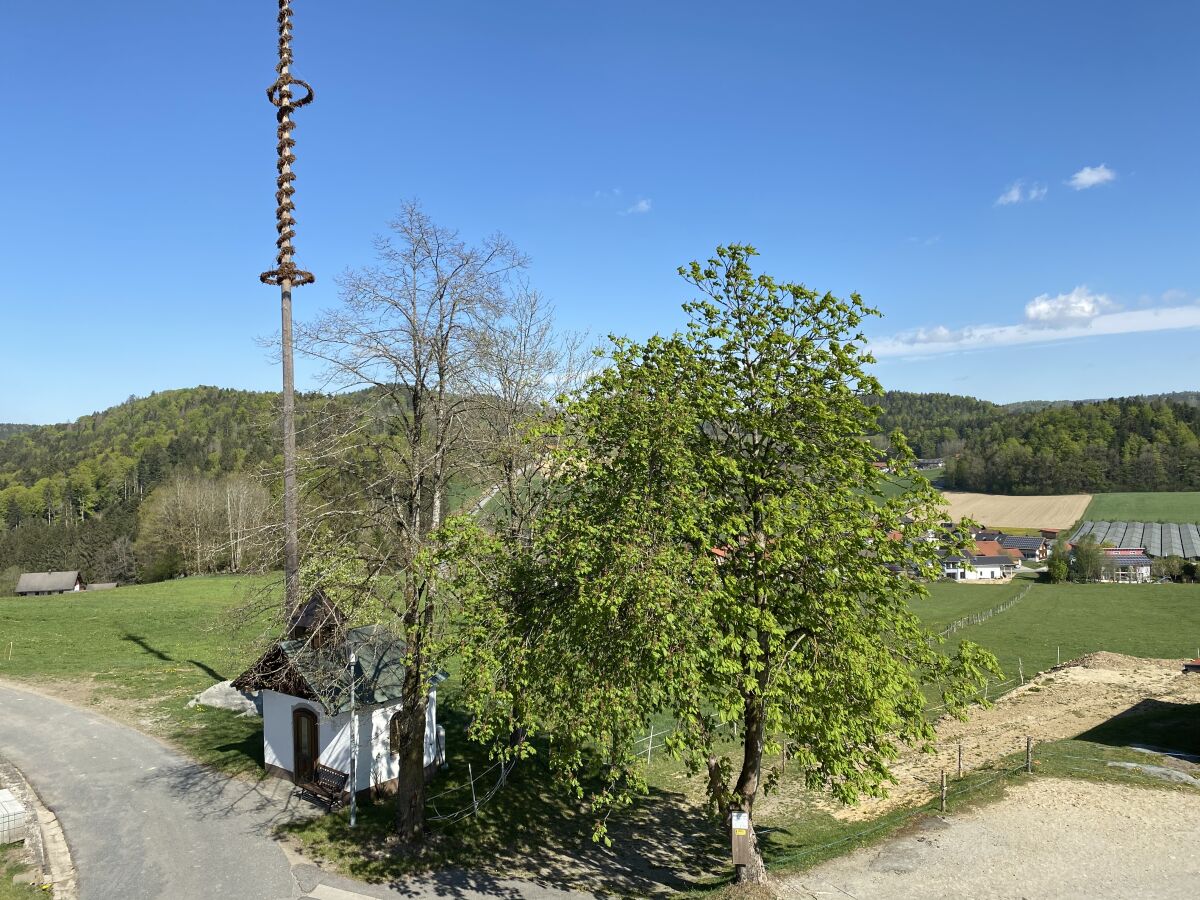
{"x": 33, "y": 584}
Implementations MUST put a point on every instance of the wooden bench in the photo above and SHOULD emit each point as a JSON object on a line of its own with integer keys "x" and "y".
{"x": 327, "y": 786}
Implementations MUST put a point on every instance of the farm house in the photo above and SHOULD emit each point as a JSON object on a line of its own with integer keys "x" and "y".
{"x": 310, "y": 718}
{"x": 44, "y": 583}
{"x": 976, "y": 568}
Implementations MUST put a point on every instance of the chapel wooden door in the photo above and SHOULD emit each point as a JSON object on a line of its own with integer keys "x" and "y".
{"x": 304, "y": 744}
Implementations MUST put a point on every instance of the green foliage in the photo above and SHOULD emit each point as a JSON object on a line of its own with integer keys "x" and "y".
{"x": 714, "y": 551}
{"x": 1087, "y": 559}
{"x": 1113, "y": 445}
{"x": 1058, "y": 569}
{"x": 69, "y": 494}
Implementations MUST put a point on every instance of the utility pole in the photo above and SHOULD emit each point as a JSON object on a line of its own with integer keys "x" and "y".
{"x": 287, "y": 275}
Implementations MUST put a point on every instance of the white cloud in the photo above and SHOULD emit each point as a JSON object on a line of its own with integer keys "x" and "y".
{"x": 1078, "y": 314}
{"x": 1090, "y": 176}
{"x": 1060, "y": 311}
{"x": 642, "y": 206}
{"x": 1018, "y": 192}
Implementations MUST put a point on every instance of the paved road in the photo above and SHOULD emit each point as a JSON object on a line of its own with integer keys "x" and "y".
{"x": 144, "y": 823}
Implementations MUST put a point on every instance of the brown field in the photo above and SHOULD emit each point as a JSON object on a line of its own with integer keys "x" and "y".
{"x": 996, "y": 511}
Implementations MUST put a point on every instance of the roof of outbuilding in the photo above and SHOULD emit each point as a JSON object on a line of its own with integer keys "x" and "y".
{"x": 1021, "y": 542}
{"x": 991, "y": 561}
{"x": 319, "y": 670}
{"x": 37, "y": 582}
{"x": 1131, "y": 559}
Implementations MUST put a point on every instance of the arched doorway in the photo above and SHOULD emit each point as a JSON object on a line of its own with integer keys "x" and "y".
{"x": 304, "y": 744}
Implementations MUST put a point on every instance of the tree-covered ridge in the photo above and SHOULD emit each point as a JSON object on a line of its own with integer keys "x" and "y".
{"x": 1113, "y": 445}
{"x": 934, "y": 424}
{"x": 8, "y": 429}
{"x": 70, "y": 494}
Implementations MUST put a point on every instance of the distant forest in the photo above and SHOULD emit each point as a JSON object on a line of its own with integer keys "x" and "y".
{"x": 70, "y": 495}
{"x": 1129, "y": 444}
{"x": 82, "y": 495}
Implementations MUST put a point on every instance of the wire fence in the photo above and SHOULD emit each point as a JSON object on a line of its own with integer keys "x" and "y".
{"x": 945, "y": 793}
{"x": 980, "y": 617}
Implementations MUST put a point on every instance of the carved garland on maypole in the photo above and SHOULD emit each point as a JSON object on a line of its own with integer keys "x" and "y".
{"x": 280, "y": 94}
{"x": 287, "y": 275}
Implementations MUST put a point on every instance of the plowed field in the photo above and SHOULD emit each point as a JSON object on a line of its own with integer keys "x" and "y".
{"x": 997, "y": 511}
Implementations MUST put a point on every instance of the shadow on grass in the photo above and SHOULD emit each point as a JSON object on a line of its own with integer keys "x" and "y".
{"x": 158, "y": 654}
{"x": 532, "y": 827}
{"x": 1153, "y": 724}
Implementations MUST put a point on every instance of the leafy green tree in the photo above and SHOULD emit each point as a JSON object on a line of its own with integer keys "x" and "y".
{"x": 715, "y": 550}
{"x": 1087, "y": 559}
{"x": 1059, "y": 567}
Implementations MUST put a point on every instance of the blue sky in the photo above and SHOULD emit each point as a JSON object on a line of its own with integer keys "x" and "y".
{"x": 1014, "y": 185}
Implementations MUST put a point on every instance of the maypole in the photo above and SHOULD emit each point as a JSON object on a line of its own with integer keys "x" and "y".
{"x": 287, "y": 275}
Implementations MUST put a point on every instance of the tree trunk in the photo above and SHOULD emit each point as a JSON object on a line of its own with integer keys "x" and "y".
{"x": 410, "y": 783}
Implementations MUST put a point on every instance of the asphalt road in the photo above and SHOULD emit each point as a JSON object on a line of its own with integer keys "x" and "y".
{"x": 141, "y": 821}
{"x": 145, "y": 823}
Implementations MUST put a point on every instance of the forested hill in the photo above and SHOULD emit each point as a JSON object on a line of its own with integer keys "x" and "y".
{"x": 934, "y": 423}
{"x": 69, "y": 494}
{"x": 8, "y": 429}
{"x": 1129, "y": 444}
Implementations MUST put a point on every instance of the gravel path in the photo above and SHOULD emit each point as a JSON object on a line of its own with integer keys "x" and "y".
{"x": 1049, "y": 838}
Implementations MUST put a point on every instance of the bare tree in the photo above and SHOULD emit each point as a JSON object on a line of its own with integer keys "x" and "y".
{"x": 525, "y": 366}
{"x": 408, "y": 329}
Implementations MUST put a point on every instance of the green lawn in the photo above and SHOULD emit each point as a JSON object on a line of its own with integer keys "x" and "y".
{"x": 948, "y": 601}
{"x": 1148, "y": 620}
{"x": 1150, "y": 506}
{"x": 148, "y": 649}
{"x": 11, "y": 864}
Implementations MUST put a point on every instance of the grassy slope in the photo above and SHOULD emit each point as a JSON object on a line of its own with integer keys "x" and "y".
{"x": 1148, "y": 620}
{"x": 948, "y": 601}
{"x": 1160, "y": 506}
{"x": 146, "y": 650}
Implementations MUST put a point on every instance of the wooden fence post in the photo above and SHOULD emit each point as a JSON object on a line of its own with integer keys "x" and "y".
{"x": 471, "y": 776}
{"x": 943, "y": 790}
{"x": 1021, "y": 670}
{"x": 960, "y": 758}
{"x": 1029, "y": 754}
{"x": 650, "y": 743}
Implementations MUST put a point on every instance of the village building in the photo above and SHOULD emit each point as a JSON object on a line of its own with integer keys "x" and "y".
{"x": 1035, "y": 548}
{"x": 1125, "y": 565}
{"x": 313, "y": 709}
{"x": 35, "y": 584}
{"x": 977, "y": 568}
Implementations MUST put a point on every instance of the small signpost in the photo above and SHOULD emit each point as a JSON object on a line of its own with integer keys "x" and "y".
{"x": 740, "y": 830}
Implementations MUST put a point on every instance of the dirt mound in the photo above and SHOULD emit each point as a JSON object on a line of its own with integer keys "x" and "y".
{"x": 1116, "y": 662}
{"x": 1061, "y": 703}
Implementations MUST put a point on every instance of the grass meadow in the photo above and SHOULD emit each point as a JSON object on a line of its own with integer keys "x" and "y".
{"x": 1149, "y": 506}
{"x": 142, "y": 652}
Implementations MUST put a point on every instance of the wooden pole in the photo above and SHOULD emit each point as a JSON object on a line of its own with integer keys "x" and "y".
{"x": 1029, "y": 755}
{"x": 943, "y": 790}
{"x": 291, "y": 504}
{"x": 471, "y": 776}
{"x": 960, "y": 759}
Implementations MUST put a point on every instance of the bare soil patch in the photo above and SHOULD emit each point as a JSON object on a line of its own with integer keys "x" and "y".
{"x": 997, "y": 511}
{"x": 1058, "y": 704}
{"x": 1047, "y": 838}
